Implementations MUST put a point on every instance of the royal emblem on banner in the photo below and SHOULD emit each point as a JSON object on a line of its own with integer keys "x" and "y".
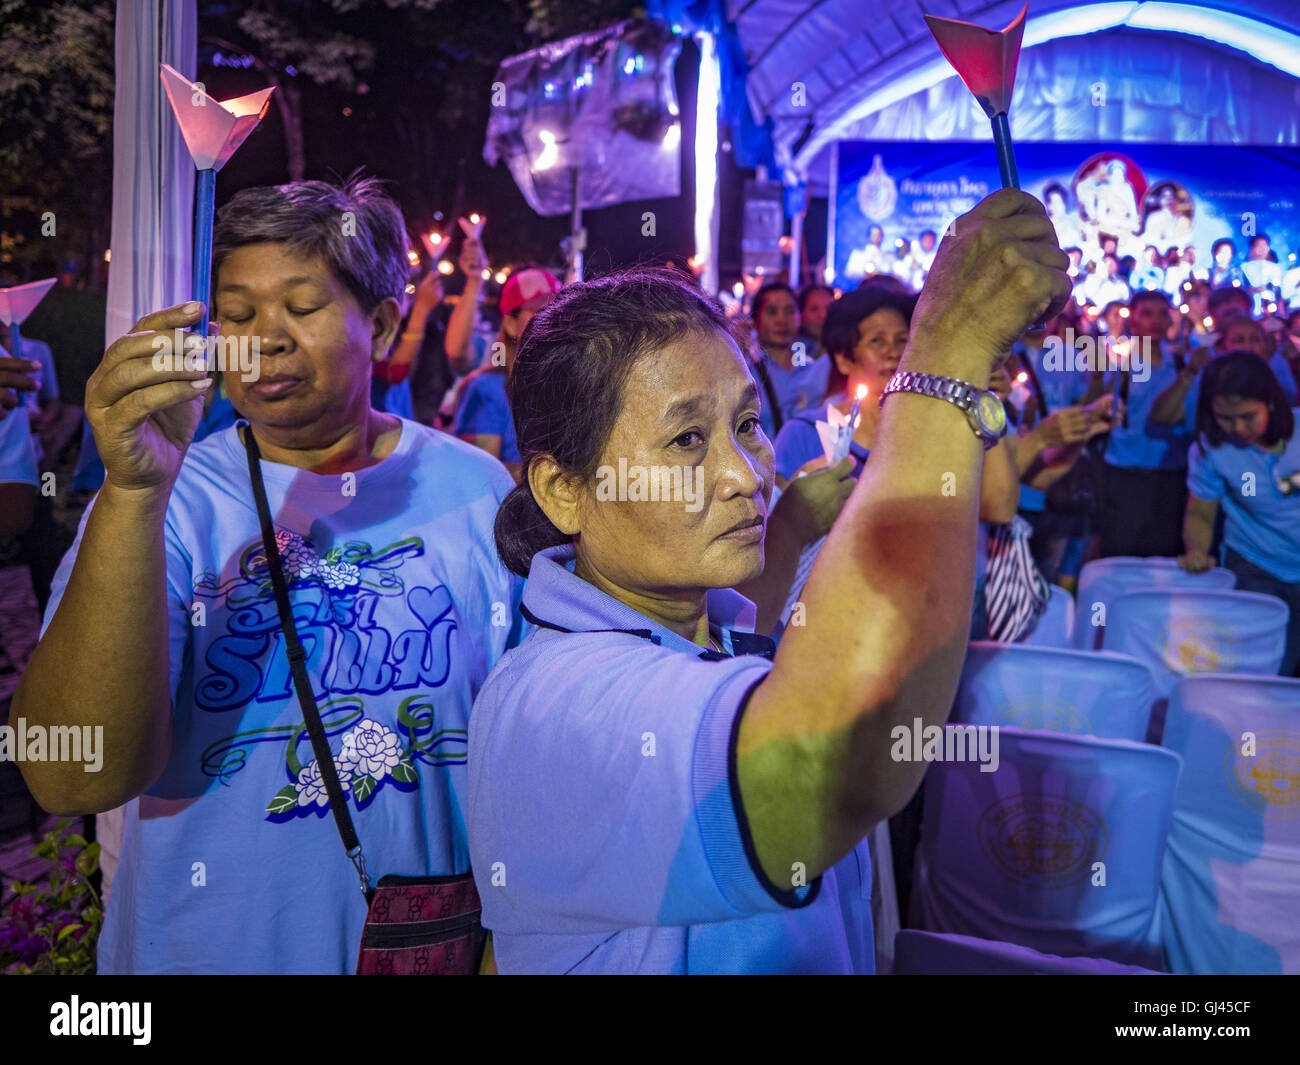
{"x": 877, "y": 193}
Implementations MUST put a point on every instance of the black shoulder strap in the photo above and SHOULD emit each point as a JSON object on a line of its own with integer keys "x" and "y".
{"x": 297, "y": 658}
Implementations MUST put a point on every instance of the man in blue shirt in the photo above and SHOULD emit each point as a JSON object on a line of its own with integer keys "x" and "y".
{"x": 1143, "y": 484}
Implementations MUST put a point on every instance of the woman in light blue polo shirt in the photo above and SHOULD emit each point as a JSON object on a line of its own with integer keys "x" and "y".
{"x": 1247, "y": 457}
{"x": 648, "y": 792}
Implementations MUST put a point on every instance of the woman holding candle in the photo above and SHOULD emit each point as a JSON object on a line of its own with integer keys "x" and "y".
{"x": 866, "y": 333}
{"x": 163, "y": 633}
{"x": 648, "y": 793}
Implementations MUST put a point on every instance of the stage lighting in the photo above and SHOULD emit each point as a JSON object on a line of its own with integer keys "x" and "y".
{"x": 550, "y": 154}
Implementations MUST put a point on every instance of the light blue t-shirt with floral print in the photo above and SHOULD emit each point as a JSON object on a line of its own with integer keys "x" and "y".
{"x": 231, "y": 861}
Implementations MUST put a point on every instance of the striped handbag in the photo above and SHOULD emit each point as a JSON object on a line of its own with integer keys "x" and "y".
{"x": 1015, "y": 592}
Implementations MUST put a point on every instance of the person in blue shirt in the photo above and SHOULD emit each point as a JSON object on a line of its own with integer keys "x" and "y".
{"x": 18, "y": 469}
{"x": 162, "y": 630}
{"x": 1247, "y": 458}
{"x": 1053, "y": 426}
{"x": 483, "y": 412}
{"x": 1245, "y": 334}
{"x": 1148, "y": 274}
{"x": 792, "y": 376}
{"x": 18, "y": 483}
{"x": 649, "y": 792}
{"x": 1144, "y": 466}
{"x": 866, "y": 334}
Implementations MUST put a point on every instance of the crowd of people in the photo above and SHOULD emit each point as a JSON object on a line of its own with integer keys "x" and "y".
{"x": 655, "y": 740}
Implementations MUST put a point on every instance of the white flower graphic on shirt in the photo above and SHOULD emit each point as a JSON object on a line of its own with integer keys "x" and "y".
{"x": 311, "y": 785}
{"x": 339, "y": 575}
{"x": 371, "y": 750}
{"x": 301, "y": 562}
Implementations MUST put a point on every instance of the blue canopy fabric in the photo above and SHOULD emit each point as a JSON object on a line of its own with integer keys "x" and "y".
{"x": 805, "y": 65}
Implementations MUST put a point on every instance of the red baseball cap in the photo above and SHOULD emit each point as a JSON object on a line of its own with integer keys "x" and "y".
{"x": 527, "y": 285}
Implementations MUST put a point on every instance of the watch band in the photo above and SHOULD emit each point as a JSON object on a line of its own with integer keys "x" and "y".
{"x": 958, "y": 393}
{"x": 961, "y": 394}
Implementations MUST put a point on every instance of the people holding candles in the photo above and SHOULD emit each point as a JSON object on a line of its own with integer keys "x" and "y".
{"x": 866, "y": 333}
{"x": 483, "y": 411}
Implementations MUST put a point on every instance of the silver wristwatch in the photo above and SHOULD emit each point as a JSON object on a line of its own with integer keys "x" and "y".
{"x": 984, "y": 409}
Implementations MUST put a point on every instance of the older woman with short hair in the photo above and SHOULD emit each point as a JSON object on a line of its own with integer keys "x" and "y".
{"x": 163, "y": 634}
{"x": 649, "y": 792}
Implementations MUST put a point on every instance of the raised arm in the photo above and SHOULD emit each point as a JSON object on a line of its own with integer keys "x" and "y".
{"x": 1169, "y": 407}
{"x": 103, "y": 661}
{"x": 460, "y": 326}
{"x": 401, "y": 360}
{"x": 889, "y": 601}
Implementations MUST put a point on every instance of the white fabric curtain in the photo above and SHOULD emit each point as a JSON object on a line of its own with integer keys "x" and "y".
{"x": 153, "y": 177}
{"x": 153, "y": 207}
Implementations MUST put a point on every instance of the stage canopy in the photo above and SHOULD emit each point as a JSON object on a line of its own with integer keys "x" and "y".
{"x": 1134, "y": 72}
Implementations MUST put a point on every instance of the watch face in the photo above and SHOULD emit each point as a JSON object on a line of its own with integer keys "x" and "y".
{"x": 991, "y": 413}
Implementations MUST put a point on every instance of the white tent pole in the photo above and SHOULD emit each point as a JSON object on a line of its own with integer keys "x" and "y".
{"x": 706, "y": 162}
